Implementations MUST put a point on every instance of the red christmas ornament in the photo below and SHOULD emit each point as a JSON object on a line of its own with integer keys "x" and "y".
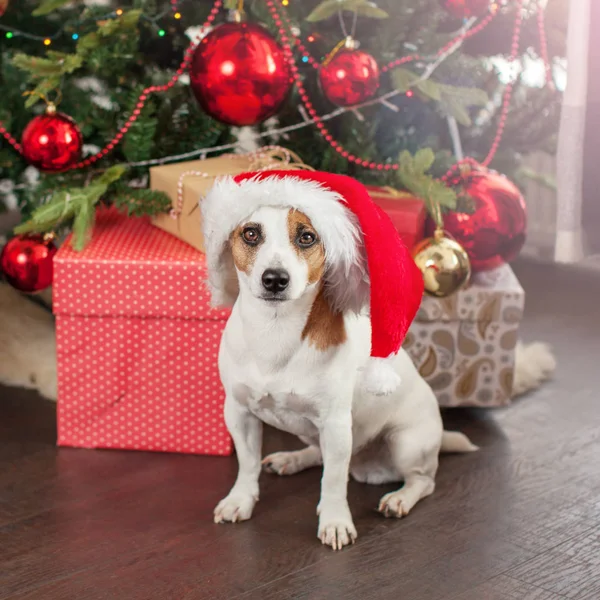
{"x": 239, "y": 74}
{"x": 465, "y": 9}
{"x": 26, "y": 261}
{"x": 52, "y": 141}
{"x": 350, "y": 77}
{"x": 495, "y": 232}
{"x": 3, "y": 6}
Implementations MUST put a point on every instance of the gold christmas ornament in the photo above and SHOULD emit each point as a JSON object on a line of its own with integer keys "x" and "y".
{"x": 444, "y": 263}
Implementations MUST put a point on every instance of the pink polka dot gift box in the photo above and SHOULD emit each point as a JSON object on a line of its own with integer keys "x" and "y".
{"x": 137, "y": 343}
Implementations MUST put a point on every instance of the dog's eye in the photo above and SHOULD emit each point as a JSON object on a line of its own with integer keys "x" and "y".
{"x": 251, "y": 235}
{"x": 307, "y": 239}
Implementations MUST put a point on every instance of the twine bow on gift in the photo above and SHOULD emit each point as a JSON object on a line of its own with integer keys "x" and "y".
{"x": 267, "y": 158}
{"x": 390, "y": 192}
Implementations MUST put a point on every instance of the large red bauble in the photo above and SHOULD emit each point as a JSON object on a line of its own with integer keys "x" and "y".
{"x": 26, "y": 261}
{"x": 350, "y": 77}
{"x": 495, "y": 232}
{"x": 52, "y": 142}
{"x": 239, "y": 74}
{"x": 465, "y": 9}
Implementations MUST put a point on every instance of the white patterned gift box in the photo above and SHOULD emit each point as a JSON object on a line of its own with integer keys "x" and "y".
{"x": 464, "y": 344}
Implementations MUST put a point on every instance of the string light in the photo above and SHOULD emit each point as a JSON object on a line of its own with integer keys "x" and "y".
{"x": 161, "y": 32}
{"x": 177, "y": 15}
{"x": 119, "y": 12}
{"x": 75, "y": 36}
{"x": 9, "y": 35}
{"x": 47, "y": 42}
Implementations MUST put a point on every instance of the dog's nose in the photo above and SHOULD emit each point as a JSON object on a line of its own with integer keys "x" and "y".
{"x": 275, "y": 280}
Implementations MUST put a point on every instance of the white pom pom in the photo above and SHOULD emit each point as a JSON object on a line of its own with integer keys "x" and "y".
{"x": 379, "y": 377}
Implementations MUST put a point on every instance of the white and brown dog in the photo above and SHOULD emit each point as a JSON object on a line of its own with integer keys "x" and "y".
{"x": 289, "y": 255}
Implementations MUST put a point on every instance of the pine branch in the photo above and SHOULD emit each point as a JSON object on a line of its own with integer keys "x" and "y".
{"x": 413, "y": 176}
{"x": 138, "y": 202}
{"x": 72, "y": 205}
{"x": 328, "y": 8}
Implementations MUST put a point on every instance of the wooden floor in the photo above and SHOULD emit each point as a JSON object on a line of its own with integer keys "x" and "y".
{"x": 518, "y": 520}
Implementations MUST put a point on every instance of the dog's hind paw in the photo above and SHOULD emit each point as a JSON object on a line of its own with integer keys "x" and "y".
{"x": 236, "y": 507}
{"x": 289, "y": 463}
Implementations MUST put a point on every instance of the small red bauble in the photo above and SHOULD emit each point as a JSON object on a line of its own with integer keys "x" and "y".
{"x": 350, "y": 77}
{"x": 465, "y": 9}
{"x": 26, "y": 262}
{"x": 239, "y": 74}
{"x": 52, "y": 141}
{"x": 495, "y": 232}
{"x": 3, "y": 6}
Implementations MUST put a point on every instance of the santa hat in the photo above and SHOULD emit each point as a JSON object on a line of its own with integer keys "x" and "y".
{"x": 366, "y": 263}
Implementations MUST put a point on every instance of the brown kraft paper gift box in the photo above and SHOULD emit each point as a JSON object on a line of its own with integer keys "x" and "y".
{"x": 464, "y": 344}
{"x": 186, "y": 183}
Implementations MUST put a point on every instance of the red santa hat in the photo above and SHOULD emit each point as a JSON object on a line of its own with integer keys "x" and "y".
{"x": 367, "y": 264}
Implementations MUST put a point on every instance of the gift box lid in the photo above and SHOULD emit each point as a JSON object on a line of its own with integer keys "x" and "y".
{"x": 132, "y": 269}
{"x": 491, "y": 296}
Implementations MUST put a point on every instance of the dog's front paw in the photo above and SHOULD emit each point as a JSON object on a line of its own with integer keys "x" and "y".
{"x": 336, "y": 528}
{"x": 238, "y": 506}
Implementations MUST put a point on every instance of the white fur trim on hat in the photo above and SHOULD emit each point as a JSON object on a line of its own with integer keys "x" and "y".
{"x": 379, "y": 376}
{"x": 229, "y": 203}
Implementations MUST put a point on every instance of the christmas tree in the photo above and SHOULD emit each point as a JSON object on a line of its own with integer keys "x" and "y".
{"x": 451, "y": 79}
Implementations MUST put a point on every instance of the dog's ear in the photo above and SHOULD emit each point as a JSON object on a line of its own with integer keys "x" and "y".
{"x": 217, "y": 223}
{"x": 346, "y": 276}
{"x": 222, "y": 278}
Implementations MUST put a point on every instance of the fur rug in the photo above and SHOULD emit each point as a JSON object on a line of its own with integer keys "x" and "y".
{"x": 27, "y": 343}
{"x": 28, "y": 349}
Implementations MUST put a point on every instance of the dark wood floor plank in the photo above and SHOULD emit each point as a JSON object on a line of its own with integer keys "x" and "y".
{"x": 571, "y": 569}
{"x": 503, "y": 587}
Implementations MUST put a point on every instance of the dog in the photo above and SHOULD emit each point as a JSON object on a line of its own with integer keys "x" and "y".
{"x": 289, "y": 357}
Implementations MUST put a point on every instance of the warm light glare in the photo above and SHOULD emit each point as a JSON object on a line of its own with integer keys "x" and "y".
{"x": 227, "y": 68}
{"x": 47, "y": 42}
{"x": 177, "y": 15}
{"x": 285, "y": 2}
{"x": 68, "y": 138}
{"x": 311, "y": 38}
{"x": 119, "y": 12}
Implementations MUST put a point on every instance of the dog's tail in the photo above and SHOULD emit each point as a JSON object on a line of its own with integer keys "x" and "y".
{"x": 454, "y": 441}
{"x": 534, "y": 363}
